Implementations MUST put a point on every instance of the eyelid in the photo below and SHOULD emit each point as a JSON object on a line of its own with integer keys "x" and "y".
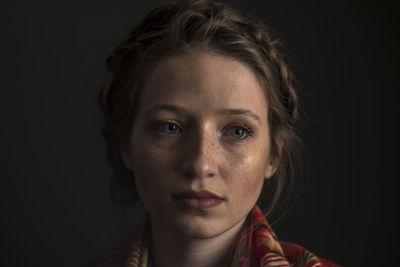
{"x": 158, "y": 124}
{"x": 248, "y": 130}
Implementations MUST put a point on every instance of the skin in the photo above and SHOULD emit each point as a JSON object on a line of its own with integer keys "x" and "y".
{"x": 191, "y": 131}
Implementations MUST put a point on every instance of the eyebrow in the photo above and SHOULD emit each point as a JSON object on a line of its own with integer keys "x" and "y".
{"x": 177, "y": 109}
{"x": 241, "y": 111}
{"x": 164, "y": 107}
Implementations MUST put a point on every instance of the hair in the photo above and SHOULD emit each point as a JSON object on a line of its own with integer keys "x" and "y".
{"x": 178, "y": 27}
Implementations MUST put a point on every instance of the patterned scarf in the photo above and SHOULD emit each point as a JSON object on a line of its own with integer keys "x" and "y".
{"x": 258, "y": 246}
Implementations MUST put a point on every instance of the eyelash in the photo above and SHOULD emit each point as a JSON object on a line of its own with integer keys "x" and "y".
{"x": 248, "y": 130}
{"x": 157, "y": 126}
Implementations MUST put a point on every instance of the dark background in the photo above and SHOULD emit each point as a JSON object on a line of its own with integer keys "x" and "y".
{"x": 54, "y": 203}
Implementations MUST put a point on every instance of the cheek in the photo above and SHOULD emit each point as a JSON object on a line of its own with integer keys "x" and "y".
{"x": 251, "y": 177}
{"x": 150, "y": 165}
{"x": 247, "y": 174}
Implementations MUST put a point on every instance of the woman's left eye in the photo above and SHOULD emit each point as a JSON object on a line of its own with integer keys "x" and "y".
{"x": 238, "y": 132}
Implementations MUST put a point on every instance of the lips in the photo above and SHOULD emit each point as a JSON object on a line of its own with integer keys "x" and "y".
{"x": 199, "y": 194}
{"x": 199, "y": 200}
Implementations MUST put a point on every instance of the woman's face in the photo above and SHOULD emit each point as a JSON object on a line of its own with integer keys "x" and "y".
{"x": 201, "y": 124}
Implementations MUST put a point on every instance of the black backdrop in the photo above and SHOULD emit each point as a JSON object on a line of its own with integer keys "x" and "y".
{"x": 55, "y": 209}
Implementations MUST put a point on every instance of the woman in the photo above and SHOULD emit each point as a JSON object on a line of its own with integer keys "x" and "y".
{"x": 199, "y": 112}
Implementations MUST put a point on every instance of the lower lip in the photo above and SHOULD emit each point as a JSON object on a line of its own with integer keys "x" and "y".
{"x": 201, "y": 204}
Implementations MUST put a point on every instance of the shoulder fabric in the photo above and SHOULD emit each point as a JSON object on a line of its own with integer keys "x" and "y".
{"x": 131, "y": 251}
{"x": 299, "y": 256}
{"x": 258, "y": 246}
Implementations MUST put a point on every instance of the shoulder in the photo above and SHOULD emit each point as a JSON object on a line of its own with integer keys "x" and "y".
{"x": 129, "y": 250}
{"x": 118, "y": 254}
{"x": 299, "y": 256}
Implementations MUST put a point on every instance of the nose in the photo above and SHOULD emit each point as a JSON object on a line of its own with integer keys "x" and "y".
{"x": 200, "y": 154}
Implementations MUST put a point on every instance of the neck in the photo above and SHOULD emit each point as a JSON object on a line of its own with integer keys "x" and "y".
{"x": 175, "y": 249}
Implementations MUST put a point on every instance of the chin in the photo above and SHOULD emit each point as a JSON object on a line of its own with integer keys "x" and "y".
{"x": 202, "y": 233}
{"x": 199, "y": 227}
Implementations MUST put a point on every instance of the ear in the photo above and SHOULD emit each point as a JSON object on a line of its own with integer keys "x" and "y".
{"x": 126, "y": 156}
{"x": 274, "y": 161}
{"x": 271, "y": 169}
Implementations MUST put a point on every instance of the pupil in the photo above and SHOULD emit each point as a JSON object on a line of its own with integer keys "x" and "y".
{"x": 238, "y": 132}
{"x": 171, "y": 128}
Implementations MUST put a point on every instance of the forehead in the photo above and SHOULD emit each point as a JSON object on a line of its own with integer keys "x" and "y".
{"x": 203, "y": 82}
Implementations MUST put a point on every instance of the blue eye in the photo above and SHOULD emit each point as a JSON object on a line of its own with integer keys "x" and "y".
{"x": 238, "y": 132}
{"x": 169, "y": 128}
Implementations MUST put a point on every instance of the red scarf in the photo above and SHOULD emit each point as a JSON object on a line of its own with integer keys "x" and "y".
{"x": 262, "y": 248}
{"x": 257, "y": 247}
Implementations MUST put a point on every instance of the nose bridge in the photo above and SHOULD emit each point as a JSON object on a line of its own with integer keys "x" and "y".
{"x": 202, "y": 148}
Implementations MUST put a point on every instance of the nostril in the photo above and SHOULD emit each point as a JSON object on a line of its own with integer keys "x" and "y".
{"x": 210, "y": 174}
{"x": 188, "y": 173}
{"x": 194, "y": 170}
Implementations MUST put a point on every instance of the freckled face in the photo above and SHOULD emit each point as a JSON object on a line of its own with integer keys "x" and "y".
{"x": 201, "y": 124}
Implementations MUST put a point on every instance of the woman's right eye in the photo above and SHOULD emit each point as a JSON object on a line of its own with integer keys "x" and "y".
{"x": 169, "y": 128}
